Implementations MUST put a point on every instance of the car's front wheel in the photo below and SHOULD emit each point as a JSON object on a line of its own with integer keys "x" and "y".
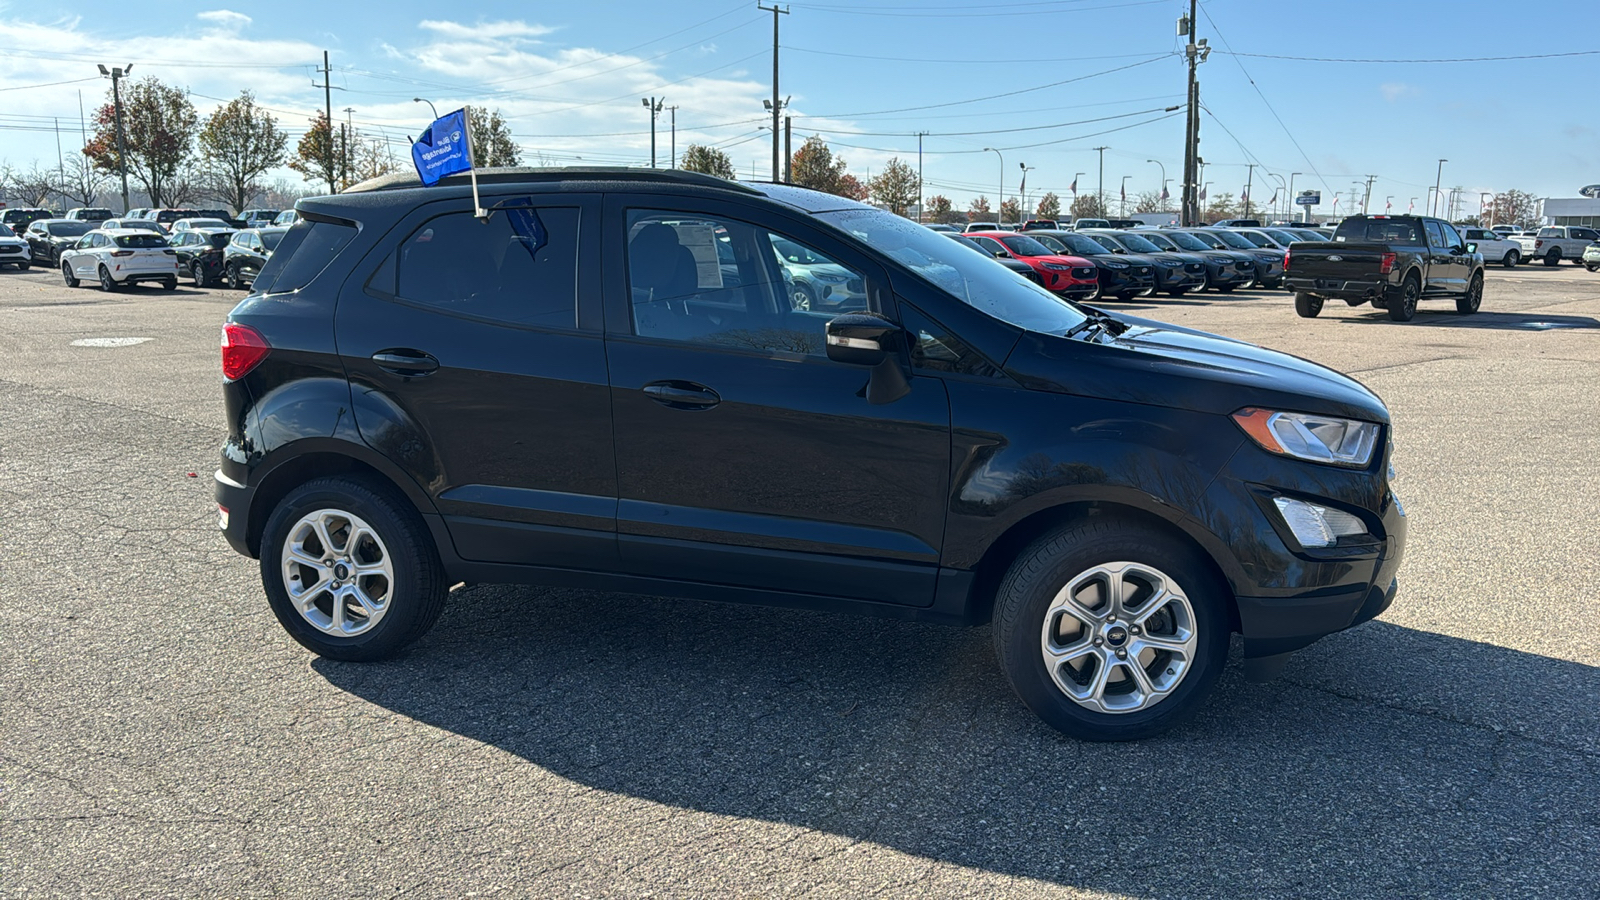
{"x": 1469, "y": 302}
{"x": 349, "y": 569}
{"x": 1111, "y": 632}
{"x": 67, "y": 276}
{"x": 1511, "y": 259}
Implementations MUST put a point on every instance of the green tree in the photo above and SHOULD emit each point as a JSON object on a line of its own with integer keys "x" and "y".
{"x": 707, "y": 161}
{"x": 1087, "y": 206}
{"x": 316, "y": 157}
{"x": 239, "y": 143}
{"x": 896, "y": 187}
{"x": 492, "y": 144}
{"x": 158, "y": 126}
{"x": 1220, "y": 206}
{"x": 1049, "y": 206}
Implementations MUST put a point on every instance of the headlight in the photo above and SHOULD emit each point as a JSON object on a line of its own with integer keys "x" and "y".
{"x": 1115, "y": 265}
{"x": 1057, "y": 267}
{"x": 1315, "y": 525}
{"x": 830, "y": 277}
{"x": 1323, "y": 439}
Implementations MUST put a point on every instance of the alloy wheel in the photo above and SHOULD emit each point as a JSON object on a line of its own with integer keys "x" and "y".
{"x": 338, "y": 572}
{"x": 1119, "y": 637}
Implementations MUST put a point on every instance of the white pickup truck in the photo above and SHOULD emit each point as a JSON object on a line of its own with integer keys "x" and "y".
{"x": 1554, "y": 243}
{"x": 1495, "y": 247}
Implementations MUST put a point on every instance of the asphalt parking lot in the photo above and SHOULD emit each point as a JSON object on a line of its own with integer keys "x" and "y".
{"x": 160, "y": 734}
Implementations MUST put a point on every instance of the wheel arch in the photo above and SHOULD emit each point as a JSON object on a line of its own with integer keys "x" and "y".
{"x": 997, "y": 559}
{"x": 306, "y": 460}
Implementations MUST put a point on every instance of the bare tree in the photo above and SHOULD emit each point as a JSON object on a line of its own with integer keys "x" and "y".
{"x": 82, "y": 183}
{"x": 239, "y": 143}
{"x": 34, "y": 186}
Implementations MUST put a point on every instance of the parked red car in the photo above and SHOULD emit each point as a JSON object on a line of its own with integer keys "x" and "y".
{"x": 1070, "y": 276}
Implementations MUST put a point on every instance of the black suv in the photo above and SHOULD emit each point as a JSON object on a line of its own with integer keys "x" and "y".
{"x": 575, "y": 389}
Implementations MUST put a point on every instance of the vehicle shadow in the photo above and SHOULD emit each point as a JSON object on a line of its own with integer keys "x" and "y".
{"x": 1448, "y": 318}
{"x": 1386, "y": 762}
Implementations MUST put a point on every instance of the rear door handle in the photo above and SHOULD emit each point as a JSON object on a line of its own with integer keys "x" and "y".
{"x": 410, "y": 363}
{"x": 682, "y": 394}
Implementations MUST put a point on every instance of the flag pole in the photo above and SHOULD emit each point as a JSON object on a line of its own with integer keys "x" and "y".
{"x": 472, "y": 169}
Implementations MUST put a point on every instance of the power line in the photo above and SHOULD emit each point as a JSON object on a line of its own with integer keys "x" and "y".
{"x": 958, "y": 62}
{"x": 1141, "y": 112}
{"x": 965, "y": 12}
{"x": 24, "y": 87}
{"x": 1457, "y": 59}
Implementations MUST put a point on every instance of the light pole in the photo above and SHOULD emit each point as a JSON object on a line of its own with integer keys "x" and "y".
{"x": 1002, "y": 200}
{"x": 1163, "y": 181}
{"x": 1100, "y": 192}
{"x": 1123, "y": 209}
{"x": 1281, "y": 184}
{"x": 1483, "y": 206}
{"x": 431, "y": 107}
{"x": 122, "y": 148}
{"x": 1075, "y": 178}
{"x": 1412, "y": 205}
{"x": 1022, "y": 192}
{"x": 1438, "y": 177}
{"x": 1291, "y": 194}
{"x": 655, "y": 105}
{"x": 1388, "y": 204}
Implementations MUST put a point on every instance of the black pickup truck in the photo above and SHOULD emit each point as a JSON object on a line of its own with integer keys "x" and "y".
{"x": 1389, "y": 261}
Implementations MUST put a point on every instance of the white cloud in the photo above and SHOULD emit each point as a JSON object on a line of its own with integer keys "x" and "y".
{"x": 484, "y": 31}
{"x": 1397, "y": 90}
{"x": 225, "y": 19}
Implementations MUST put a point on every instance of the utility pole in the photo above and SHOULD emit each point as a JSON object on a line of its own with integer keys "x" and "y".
{"x": 327, "y": 101}
{"x": 775, "y": 105}
{"x": 1366, "y": 201}
{"x": 654, "y": 105}
{"x": 672, "y": 162}
{"x": 1100, "y": 192}
{"x": 349, "y": 136}
{"x": 788, "y": 150}
{"x": 999, "y": 219}
{"x": 1438, "y": 177}
{"x": 1123, "y": 213}
{"x": 921, "y": 199}
{"x": 1196, "y": 52}
{"x": 122, "y": 145}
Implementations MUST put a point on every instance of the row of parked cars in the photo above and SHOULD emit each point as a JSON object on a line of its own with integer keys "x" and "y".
{"x": 18, "y": 218}
{"x": 117, "y": 253}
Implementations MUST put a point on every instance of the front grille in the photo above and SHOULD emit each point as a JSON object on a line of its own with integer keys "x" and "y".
{"x": 1241, "y": 265}
{"x": 1195, "y": 268}
{"x": 10, "y": 248}
{"x": 1143, "y": 270}
{"x": 1083, "y": 273}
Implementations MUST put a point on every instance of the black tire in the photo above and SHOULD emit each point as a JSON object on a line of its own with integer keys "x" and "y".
{"x": 1307, "y": 305}
{"x": 198, "y": 272}
{"x": 416, "y": 596}
{"x": 235, "y": 281}
{"x": 1468, "y": 303}
{"x": 1511, "y": 259}
{"x": 169, "y": 284}
{"x": 1405, "y": 305}
{"x": 67, "y": 276}
{"x": 1592, "y": 267}
{"x": 1553, "y": 258}
{"x": 23, "y": 267}
{"x": 107, "y": 283}
{"x": 1025, "y": 597}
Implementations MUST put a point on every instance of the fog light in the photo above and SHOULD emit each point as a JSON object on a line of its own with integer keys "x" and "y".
{"x": 222, "y": 517}
{"x": 1317, "y": 526}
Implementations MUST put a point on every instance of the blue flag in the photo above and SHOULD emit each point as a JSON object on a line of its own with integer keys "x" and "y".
{"x": 442, "y": 149}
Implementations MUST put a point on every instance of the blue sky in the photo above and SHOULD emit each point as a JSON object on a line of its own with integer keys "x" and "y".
{"x": 867, "y": 77}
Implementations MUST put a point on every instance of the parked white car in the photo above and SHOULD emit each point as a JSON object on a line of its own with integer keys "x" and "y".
{"x": 120, "y": 257}
{"x": 191, "y": 224}
{"x": 1494, "y": 246}
{"x": 14, "y": 251}
{"x": 1554, "y": 243}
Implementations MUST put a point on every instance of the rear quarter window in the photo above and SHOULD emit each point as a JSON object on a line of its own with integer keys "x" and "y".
{"x": 302, "y": 254}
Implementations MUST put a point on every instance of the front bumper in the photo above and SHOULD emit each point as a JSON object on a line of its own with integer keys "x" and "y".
{"x": 1121, "y": 281}
{"x": 1179, "y": 278}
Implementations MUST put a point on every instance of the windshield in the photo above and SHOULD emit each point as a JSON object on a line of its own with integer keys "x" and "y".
{"x": 1106, "y": 241}
{"x": 1082, "y": 245}
{"x": 970, "y": 276}
{"x": 70, "y": 229}
{"x": 1282, "y": 237}
{"x": 1233, "y": 240}
{"x": 1161, "y": 241}
{"x": 145, "y": 241}
{"x": 1138, "y": 243}
{"x": 1026, "y": 246}
{"x": 270, "y": 239}
{"x": 1259, "y": 240}
{"x": 1188, "y": 241}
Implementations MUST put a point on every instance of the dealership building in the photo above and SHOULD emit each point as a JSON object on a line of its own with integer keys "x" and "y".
{"x": 1576, "y": 211}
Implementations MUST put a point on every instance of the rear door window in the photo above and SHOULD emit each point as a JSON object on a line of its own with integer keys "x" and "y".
{"x": 519, "y": 268}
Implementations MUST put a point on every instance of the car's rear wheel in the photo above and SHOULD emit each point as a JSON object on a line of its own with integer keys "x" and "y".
{"x": 349, "y": 569}
{"x": 107, "y": 283}
{"x": 198, "y": 272}
{"x": 1307, "y": 305}
{"x": 1468, "y": 303}
{"x": 1553, "y": 258}
{"x": 170, "y": 283}
{"x": 67, "y": 276}
{"x": 1405, "y": 306}
{"x": 1511, "y": 259}
{"x": 1111, "y": 632}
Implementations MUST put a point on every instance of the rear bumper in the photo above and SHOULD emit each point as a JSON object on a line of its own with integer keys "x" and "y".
{"x": 233, "y": 512}
{"x": 1354, "y": 292}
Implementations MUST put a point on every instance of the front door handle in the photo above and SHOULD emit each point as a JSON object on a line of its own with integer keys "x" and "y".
{"x": 682, "y": 394}
{"x": 410, "y": 363}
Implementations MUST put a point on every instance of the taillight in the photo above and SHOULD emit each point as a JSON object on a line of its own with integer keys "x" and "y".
{"x": 1288, "y": 252}
{"x": 243, "y": 348}
{"x": 122, "y": 253}
{"x": 1538, "y": 244}
{"x": 1387, "y": 265}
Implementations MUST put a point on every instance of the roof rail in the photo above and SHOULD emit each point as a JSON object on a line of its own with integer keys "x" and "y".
{"x": 404, "y": 180}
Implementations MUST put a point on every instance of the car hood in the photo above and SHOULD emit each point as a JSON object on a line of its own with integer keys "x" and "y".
{"x": 1062, "y": 259}
{"x": 1166, "y": 365}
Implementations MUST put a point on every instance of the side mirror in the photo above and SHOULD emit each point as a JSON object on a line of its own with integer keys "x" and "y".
{"x": 859, "y": 339}
{"x": 1472, "y": 248}
{"x": 1001, "y": 254}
